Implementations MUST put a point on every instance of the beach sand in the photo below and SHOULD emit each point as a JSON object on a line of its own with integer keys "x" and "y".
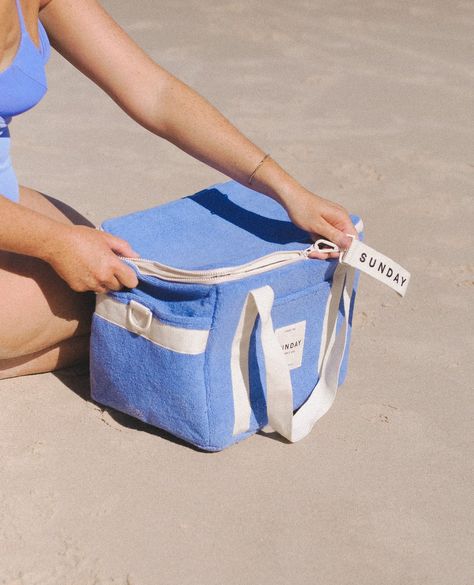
{"x": 367, "y": 103}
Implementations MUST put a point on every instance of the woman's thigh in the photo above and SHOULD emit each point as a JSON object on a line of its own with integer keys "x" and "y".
{"x": 38, "y": 309}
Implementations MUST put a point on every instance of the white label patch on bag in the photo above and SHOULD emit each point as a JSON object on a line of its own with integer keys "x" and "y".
{"x": 291, "y": 339}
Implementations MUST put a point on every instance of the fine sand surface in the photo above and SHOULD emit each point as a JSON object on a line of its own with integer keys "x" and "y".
{"x": 368, "y": 103}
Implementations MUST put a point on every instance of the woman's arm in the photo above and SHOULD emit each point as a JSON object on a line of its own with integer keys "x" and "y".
{"x": 82, "y": 256}
{"x": 90, "y": 39}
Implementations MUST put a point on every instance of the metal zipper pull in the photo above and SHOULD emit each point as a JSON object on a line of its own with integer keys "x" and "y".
{"x": 328, "y": 247}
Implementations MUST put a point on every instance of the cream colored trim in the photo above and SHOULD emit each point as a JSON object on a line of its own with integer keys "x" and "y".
{"x": 324, "y": 333}
{"x": 239, "y": 366}
{"x": 138, "y": 319}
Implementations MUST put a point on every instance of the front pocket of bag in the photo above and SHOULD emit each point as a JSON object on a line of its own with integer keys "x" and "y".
{"x": 298, "y": 321}
{"x": 299, "y": 324}
{"x": 150, "y": 368}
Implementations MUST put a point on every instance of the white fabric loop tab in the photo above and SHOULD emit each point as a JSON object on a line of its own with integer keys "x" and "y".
{"x": 377, "y": 265}
{"x": 139, "y": 317}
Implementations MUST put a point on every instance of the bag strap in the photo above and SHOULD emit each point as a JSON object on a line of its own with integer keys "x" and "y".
{"x": 279, "y": 397}
{"x": 259, "y": 302}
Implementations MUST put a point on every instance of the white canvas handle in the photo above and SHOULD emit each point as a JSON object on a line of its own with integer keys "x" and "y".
{"x": 279, "y": 395}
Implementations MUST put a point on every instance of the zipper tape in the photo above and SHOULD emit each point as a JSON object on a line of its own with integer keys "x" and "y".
{"x": 262, "y": 264}
{"x": 359, "y": 255}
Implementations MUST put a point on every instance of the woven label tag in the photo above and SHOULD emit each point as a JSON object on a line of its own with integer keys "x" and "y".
{"x": 291, "y": 339}
{"x": 377, "y": 265}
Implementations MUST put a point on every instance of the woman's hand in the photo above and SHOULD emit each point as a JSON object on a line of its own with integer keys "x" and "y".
{"x": 320, "y": 217}
{"x": 87, "y": 259}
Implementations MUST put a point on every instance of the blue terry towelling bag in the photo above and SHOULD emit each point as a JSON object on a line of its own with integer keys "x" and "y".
{"x": 232, "y": 327}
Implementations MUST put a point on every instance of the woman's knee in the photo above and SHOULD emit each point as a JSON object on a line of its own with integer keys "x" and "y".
{"x": 12, "y": 348}
{"x": 21, "y": 345}
{"x": 26, "y": 334}
{"x": 62, "y": 355}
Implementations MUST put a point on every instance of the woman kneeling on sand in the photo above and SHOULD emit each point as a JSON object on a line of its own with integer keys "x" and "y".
{"x": 53, "y": 260}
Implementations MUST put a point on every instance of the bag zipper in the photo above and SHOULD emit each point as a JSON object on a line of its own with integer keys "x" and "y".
{"x": 263, "y": 264}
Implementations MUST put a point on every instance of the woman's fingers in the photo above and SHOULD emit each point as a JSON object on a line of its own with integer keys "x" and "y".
{"x": 121, "y": 275}
{"x": 319, "y": 216}
{"x": 126, "y": 275}
{"x": 121, "y": 247}
{"x": 323, "y": 255}
{"x": 103, "y": 287}
{"x": 335, "y": 235}
{"x": 332, "y": 232}
{"x": 118, "y": 281}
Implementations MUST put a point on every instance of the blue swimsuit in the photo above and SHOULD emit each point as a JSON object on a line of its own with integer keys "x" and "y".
{"x": 22, "y": 85}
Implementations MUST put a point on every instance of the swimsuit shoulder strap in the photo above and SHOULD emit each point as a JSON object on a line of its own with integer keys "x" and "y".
{"x": 44, "y": 41}
{"x": 20, "y": 15}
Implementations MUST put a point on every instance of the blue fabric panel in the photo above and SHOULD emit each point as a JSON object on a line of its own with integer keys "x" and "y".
{"x": 171, "y": 397}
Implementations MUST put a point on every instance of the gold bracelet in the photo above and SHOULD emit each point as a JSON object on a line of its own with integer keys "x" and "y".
{"x": 257, "y": 167}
